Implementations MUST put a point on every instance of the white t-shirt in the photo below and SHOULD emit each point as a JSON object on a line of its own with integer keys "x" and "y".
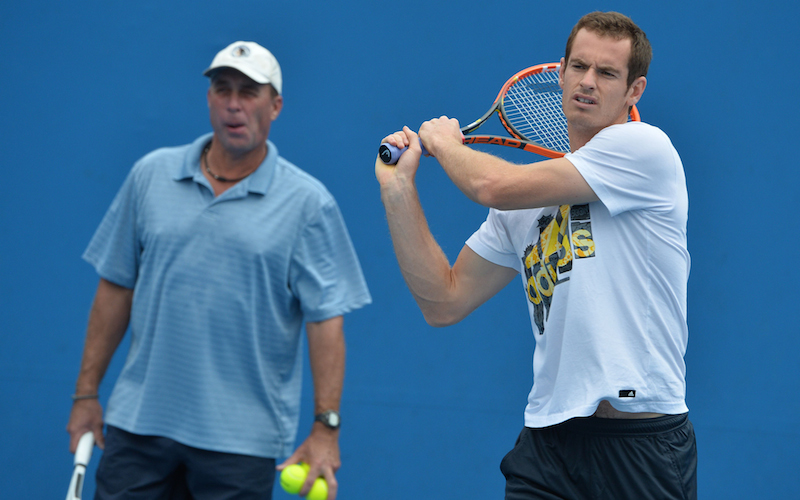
{"x": 605, "y": 282}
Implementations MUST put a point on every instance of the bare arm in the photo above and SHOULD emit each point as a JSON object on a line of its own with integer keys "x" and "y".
{"x": 108, "y": 321}
{"x": 326, "y": 352}
{"x": 496, "y": 183}
{"x": 445, "y": 294}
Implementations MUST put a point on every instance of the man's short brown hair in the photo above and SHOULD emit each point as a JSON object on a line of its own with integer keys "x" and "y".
{"x": 620, "y": 27}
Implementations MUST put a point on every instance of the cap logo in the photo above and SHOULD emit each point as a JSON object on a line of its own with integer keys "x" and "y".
{"x": 240, "y": 51}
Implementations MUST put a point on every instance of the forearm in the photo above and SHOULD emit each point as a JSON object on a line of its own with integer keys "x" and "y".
{"x": 425, "y": 267}
{"x": 475, "y": 173}
{"x": 497, "y": 183}
{"x": 108, "y": 321}
{"x": 326, "y": 352}
{"x": 480, "y": 176}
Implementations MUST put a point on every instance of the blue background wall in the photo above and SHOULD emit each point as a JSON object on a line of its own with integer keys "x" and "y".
{"x": 88, "y": 87}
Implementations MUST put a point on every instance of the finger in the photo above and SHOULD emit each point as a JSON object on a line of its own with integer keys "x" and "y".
{"x": 402, "y": 139}
{"x": 398, "y": 139}
{"x": 73, "y": 441}
{"x": 313, "y": 475}
{"x": 294, "y": 458}
{"x": 412, "y": 139}
{"x": 309, "y": 482}
{"x": 99, "y": 437}
{"x": 333, "y": 485}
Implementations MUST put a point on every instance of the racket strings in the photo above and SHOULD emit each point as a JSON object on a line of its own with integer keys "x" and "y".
{"x": 532, "y": 107}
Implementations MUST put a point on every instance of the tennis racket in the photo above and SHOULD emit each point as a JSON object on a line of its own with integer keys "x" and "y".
{"x": 82, "y": 456}
{"x": 529, "y": 105}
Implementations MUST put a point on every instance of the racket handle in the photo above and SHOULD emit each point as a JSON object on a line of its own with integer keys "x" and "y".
{"x": 390, "y": 154}
{"x": 84, "y": 451}
{"x": 82, "y": 456}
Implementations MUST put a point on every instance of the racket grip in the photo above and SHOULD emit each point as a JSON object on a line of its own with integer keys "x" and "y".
{"x": 390, "y": 154}
{"x": 84, "y": 451}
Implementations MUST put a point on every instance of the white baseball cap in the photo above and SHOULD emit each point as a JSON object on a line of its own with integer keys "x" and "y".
{"x": 251, "y": 59}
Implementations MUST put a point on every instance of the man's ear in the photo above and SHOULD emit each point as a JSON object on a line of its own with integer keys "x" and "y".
{"x": 277, "y": 106}
{"x": 636, "y": 90}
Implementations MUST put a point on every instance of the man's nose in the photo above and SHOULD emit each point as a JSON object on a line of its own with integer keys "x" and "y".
{"x": 589, "y": 79}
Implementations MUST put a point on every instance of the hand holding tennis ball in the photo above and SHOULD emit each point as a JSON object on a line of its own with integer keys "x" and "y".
{"x": 293, "y": 477}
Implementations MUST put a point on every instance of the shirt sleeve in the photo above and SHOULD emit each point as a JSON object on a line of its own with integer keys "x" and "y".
{"x": 492, "y": 242}
{"x": 325, "y": 273}
{"x": 114, "y": 249}
{"x": 631, "y": 166}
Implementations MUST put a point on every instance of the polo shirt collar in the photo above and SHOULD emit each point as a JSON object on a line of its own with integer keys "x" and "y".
{"x": 257, "y": 182}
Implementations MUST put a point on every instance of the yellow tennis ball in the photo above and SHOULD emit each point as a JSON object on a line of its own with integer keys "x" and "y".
{"x": 293, "y": 477}
{"x": 319, "y": 491}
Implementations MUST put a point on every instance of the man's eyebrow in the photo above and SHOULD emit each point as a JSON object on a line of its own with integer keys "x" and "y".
{"x": 600, "y": 67}
{"x": 610, "y": 68}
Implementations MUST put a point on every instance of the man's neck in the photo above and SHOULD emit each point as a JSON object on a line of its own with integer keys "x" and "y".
{"x": 229, "y": 164}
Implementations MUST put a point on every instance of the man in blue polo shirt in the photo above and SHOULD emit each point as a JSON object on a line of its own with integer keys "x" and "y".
{"x": 214, "y": 254}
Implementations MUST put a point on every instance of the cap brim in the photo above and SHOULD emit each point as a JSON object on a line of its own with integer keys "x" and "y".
{"x": 246, "y": 72}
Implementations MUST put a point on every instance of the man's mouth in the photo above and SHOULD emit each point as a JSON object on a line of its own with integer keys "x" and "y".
{"x": 585, "y": 100}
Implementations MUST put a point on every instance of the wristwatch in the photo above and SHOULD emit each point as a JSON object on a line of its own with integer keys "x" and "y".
{"x": 329, "y": 418}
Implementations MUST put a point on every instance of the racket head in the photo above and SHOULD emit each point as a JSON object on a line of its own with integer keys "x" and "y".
{"x": 529, "y": 105}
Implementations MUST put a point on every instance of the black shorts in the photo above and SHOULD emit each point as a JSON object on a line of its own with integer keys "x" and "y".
{"x": 601, "y": 458}
{"x": 152, "y": 467}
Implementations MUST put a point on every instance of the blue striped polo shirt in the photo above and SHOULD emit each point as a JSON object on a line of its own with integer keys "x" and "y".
{"x": 222, "y": 286}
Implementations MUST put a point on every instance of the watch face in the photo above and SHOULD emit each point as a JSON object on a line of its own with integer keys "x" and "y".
{"x": 333, "y": 419}
{"x": 329, "y": 418}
